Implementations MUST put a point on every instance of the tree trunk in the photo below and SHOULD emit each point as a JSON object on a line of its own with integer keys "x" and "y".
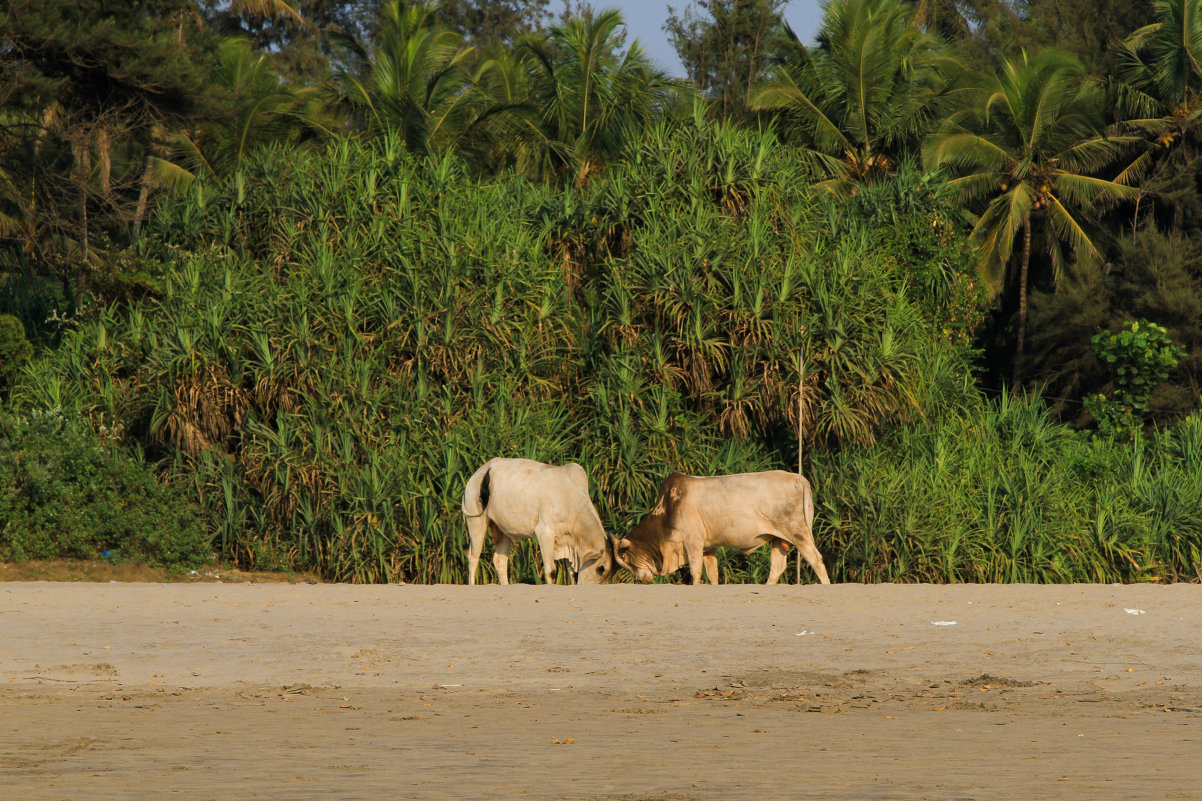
{"x": 83, "y": 161}
{"x": 1022, "y": 305}
{"x": 143, "y": 196}
{"x": 103, "y": 148}
{"x": 801, "y": 393}
{"x": 151, "y": 151}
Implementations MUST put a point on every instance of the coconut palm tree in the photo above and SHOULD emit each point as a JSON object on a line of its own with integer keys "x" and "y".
{"x": 874, "y": 85}
{"x": 591, "y": 97}
{"x": 261, "y": 110}
{"x": 1159, "y": 91}
{"x": 419, "y": 82}
{"x": 1026, "y": 155}
{"x": 1162, "y": 64}
{"x": 948, "y": 17}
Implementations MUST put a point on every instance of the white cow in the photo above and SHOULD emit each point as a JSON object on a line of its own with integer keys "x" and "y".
{"x": 517, "y": 499}
{"x": 693, "y": 516}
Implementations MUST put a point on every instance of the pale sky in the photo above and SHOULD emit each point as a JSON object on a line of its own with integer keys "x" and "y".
{"x": 645, "y": 20}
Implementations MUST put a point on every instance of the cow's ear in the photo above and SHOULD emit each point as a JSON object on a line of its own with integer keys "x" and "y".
{"x": 618, "y": 547}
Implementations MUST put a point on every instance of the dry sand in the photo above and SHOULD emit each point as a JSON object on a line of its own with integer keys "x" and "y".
{"x": 293, "y": 691}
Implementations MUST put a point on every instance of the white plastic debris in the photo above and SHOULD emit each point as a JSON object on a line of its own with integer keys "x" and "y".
{"x": 943, "y": 622}
{"x": 1133, "y": 611}
{"x": 803, "y": 633}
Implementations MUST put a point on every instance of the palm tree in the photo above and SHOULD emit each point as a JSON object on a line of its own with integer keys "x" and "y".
{"x": 503, "y": 130}
{"x": 872, "y": 88}
{"x": 1160, "y": 88}
{"x": 1162, "y": 62}
{"x": 947, "y": 17}
{"x": 419, "y": 82}
{"x": 1028, "y": 152}
{"x": 261, "y": 110}
{"x": 591, "y": 98}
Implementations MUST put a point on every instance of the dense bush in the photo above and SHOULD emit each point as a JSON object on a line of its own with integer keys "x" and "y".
{"x": 340, "y": 340}
{"x": 999, "y": 492}
{"x": 15, "y": 350}
{"x": 67, "y": 490}
{"x": 1139, "y": 359}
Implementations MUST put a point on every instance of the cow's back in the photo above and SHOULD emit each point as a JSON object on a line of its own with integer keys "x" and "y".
{"x": 733, "y": 501}
{"x": 522, "y": 492}
{"x": 760, "y": 487}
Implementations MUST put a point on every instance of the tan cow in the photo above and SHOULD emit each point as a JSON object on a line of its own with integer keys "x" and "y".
{"x": 694, "y": 516}
{"x": 517, "y": 499}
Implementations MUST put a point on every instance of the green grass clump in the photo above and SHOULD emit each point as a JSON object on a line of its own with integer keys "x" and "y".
{"x": 1002, "y": 494}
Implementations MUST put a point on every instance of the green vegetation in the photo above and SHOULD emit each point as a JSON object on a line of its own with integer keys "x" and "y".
{"x": 1140, "y": 358}
{"x": 15, "y": 349}
{"x": 277, "y": 295}
{"x": 874, "y": 86}
{"x": 346, "y": 336}
{"x": 68, "y": 491}
{"x": 1027, "y": 152}
{"x": 1000, "y": 493}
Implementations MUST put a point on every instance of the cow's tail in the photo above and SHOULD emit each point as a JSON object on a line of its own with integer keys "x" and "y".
{"x": 809, "y": 505}
{"x": 475, "y": 494}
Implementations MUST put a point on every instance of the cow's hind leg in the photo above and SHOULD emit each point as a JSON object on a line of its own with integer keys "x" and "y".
{"x": 777, "y": 561}
{"x": 477, "y": 530}
{"x": 500, "y": 559}
{"x": 805, "y": 544}
{"x": 810, "y": 551}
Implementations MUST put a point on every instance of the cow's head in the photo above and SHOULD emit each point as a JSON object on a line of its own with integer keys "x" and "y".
{"x": 639, "y": 560}
{"x": 597, "y": 568}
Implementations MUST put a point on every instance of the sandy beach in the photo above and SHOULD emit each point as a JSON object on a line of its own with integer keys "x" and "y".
{"x": 299, "y": 691}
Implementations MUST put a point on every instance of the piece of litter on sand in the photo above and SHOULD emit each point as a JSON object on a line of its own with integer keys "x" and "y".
{"x": 444, "y": 686}
{"x": 804, "y": 633}
{"x": 943, "y": 622}
{"x": 1133, "y": 611}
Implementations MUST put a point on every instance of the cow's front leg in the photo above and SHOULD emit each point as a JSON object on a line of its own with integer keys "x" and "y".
{"x": 696, "y": 564}
{"x": 500, "y": 559}
{"x": 546, "y": 548}
{"x": 711, "y": 568}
